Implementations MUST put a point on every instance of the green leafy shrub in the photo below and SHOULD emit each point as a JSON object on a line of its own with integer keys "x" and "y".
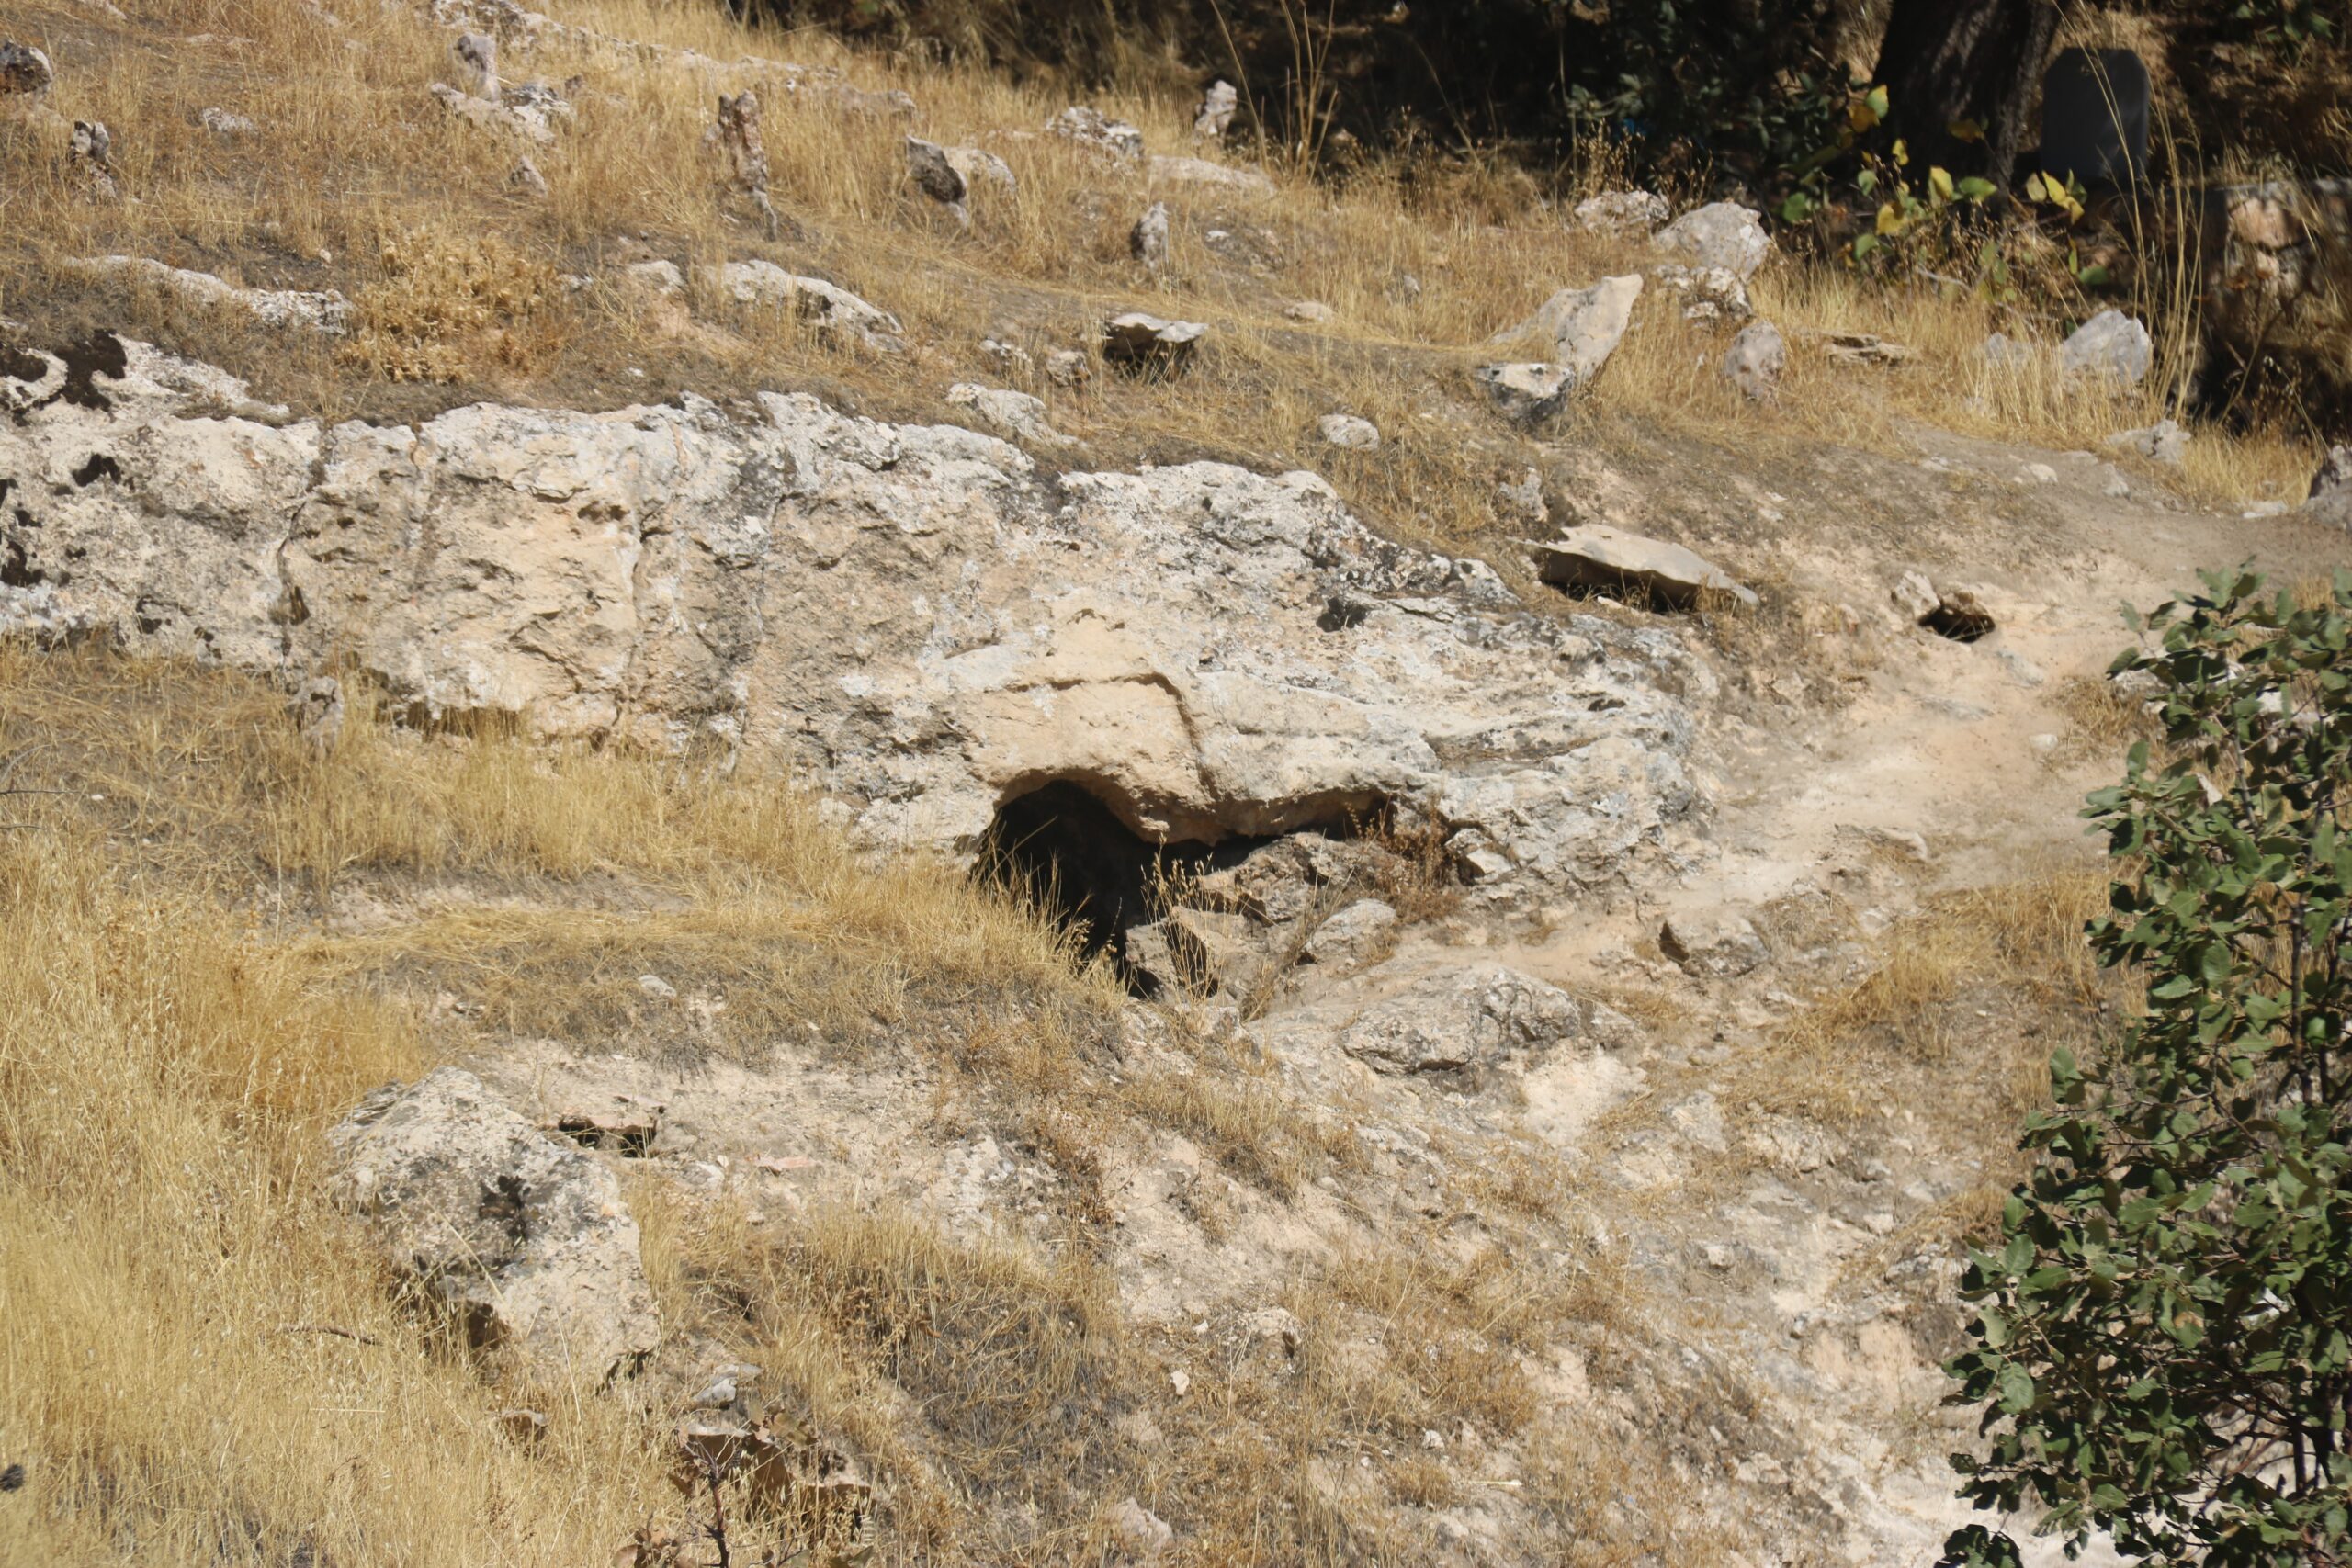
{"x": 2164, "y": 1335}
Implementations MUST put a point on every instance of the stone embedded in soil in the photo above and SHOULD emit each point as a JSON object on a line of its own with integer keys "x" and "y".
{"x": 1711, "y": 944}
{"x": 1147, "y": 241}
{"x": 1527, "y": 393}
{"x": 2110, "y": 347}
{"x": 1352, "y": 935}
{"x": 1607, "y": 560}
{"x": 1470, "y": 1017}
{"x": 682, "y": 574}
{"x": 1201, "y": 172}
{"x": 24, "y": 70}
{"x": 319, "y": 311}
{"x": 525, "y": 1240}
{"x": 1146, "y": 343}
{"x": 1091, "y": 129}
{"x": 1621, "y": 214}
{"x": 1348, "y": 433}
{"x": 1755, "y": 360}
{"x": 824, "y": 306}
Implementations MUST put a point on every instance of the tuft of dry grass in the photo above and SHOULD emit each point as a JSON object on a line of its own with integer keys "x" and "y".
{"x": 2000, "y": 975}
{"x": 455, "y": 309}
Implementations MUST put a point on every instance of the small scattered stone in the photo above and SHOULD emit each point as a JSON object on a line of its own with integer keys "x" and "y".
{"x": 1313, "y": 312}
{"x": 221, "y": 122}
{"x": 1621, "y": 214}
{"x": 1754, "y": 361}
{"x": 1215, "y": 115}
{"x": 2167, "y": 441}
{"x": 1583, "y": 326}
{"x": 1710, "y": 295}
{"x": 1527, "y": 393}
{"x": 1147, "y": 241}
{"x": 2110, "y": 347}
{"x": 24, "y": 70}
{"x": 1144, "y": 342}
{"x": 1143, "y": 1536}
{"x": 1716, "y": 945}
{"x": 1608, "y": 559}
{"x": 1089, "y": 129}
{"x": 1348, "y": 432}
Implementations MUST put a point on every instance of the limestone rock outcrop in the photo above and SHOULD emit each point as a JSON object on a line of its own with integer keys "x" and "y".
{"x": 916, "y": 618}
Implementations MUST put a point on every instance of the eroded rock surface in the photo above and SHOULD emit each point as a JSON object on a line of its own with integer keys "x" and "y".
{"x": 524, "y": 1238}
{"x": 915, "y": 615}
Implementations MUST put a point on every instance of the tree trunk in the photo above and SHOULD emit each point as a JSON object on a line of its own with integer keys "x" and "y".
{"x": 1948, "y": 62}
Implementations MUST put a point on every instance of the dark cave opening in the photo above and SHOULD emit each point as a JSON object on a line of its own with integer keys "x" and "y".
{"x": 1066, "y": 851}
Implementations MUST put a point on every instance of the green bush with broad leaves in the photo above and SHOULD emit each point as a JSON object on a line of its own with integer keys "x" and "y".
{"x": 2163, "y": 1339}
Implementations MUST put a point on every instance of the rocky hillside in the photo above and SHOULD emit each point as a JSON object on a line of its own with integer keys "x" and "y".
{"x": 755, "y": 808}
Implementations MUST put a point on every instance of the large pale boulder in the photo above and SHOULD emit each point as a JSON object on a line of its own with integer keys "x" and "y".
{"x": 2110, "y": 347}
{"x": 524, "y": 1239}
{"x": 1723, "y": 234}
{"x": 1585, "y": 325}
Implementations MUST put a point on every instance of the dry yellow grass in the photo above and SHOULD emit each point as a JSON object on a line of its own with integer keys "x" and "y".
{"x": 218, "y": 939}
{"x": 356, "y": 172}
{"x": 1997, "y": 976}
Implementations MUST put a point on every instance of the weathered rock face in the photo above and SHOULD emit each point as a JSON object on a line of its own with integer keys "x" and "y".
{"x": 1457, "y": 1018}
{"x": 525, "y": 1238}
{"x": 915, "y": 618}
